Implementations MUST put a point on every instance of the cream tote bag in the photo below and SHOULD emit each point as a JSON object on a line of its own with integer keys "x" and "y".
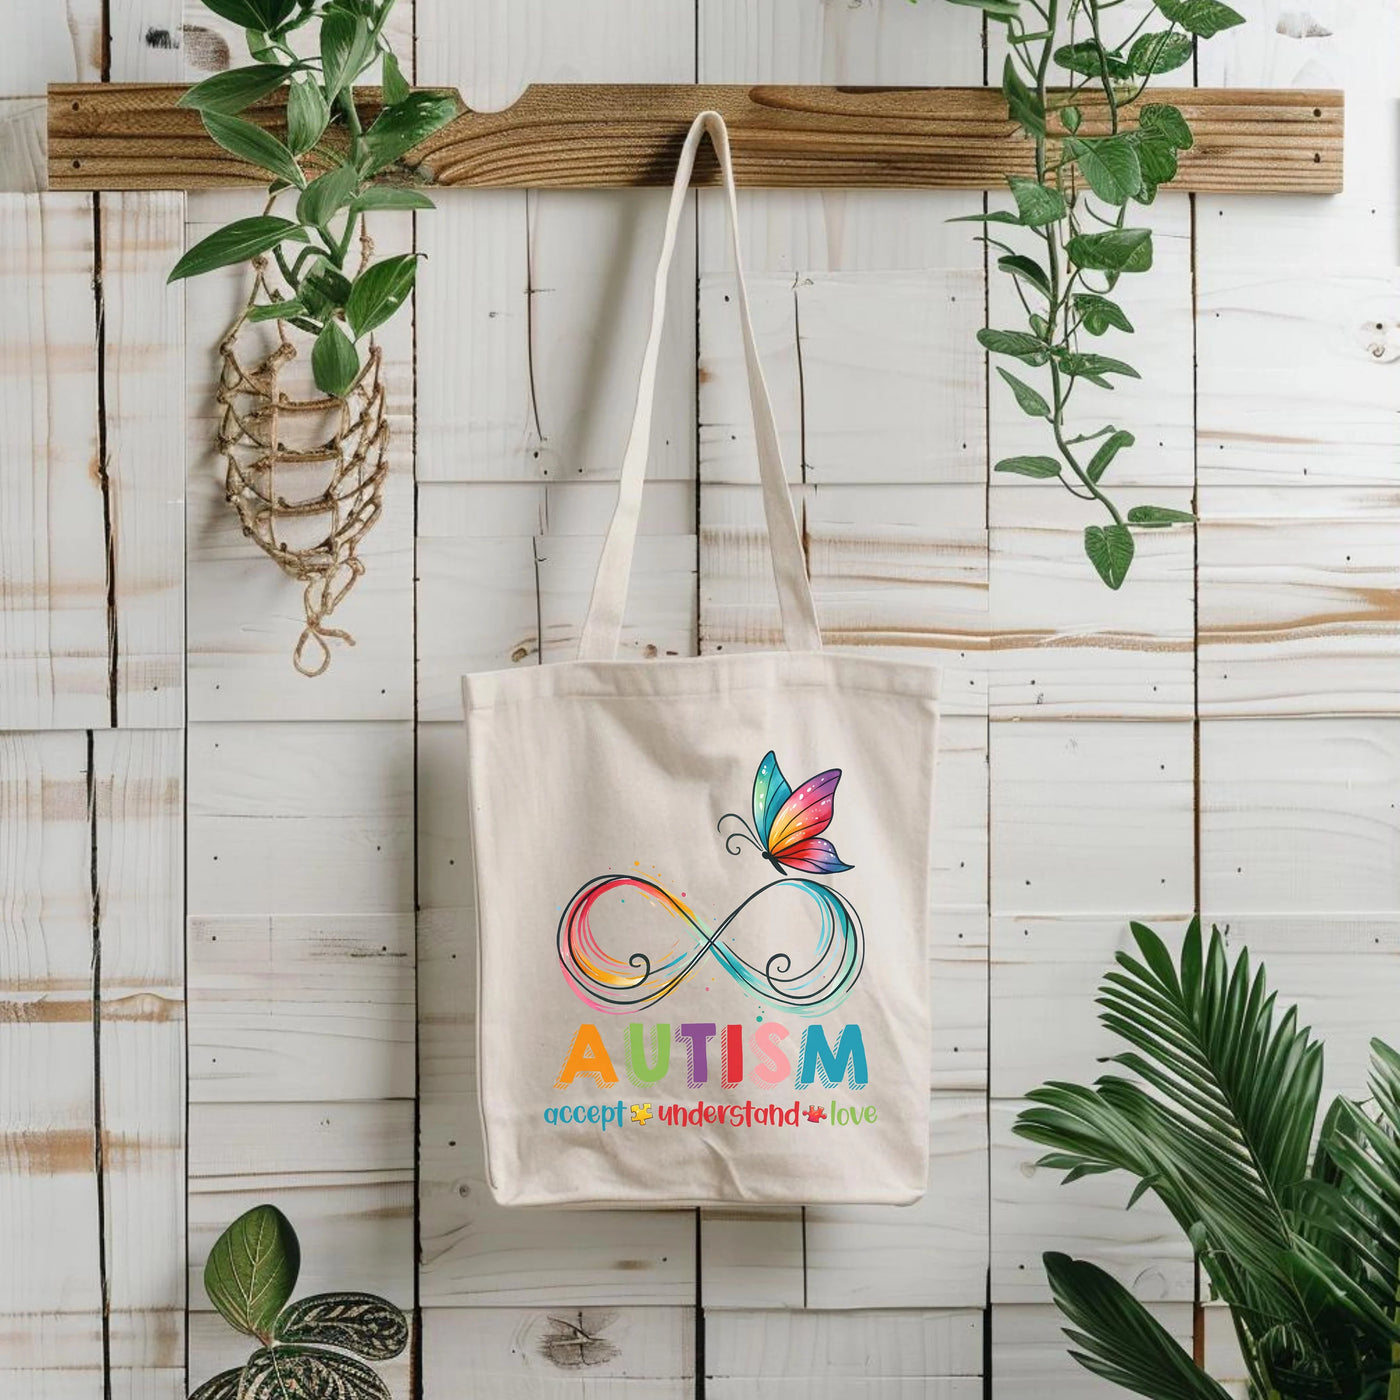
{"x": 702, "y": 891}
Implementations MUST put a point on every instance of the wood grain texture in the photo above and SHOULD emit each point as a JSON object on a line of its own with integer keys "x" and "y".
{"x": 603, "y": 135}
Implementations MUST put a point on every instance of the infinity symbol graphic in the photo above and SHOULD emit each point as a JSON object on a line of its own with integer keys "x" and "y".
{"x": 614, "y": 986}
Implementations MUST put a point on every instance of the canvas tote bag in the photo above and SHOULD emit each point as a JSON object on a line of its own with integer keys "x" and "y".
{"x": 702, "y": 890}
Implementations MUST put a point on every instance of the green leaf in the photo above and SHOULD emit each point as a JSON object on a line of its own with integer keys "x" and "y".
{"x": 1029, "y": 466}
{"x": 1030, "y": 400}
{"x": 252, "y": 1269}
{"x": 346, "y": 47}
{"x": 224, "y": 1386}
{"x": 1024, "y": 106}
{"x": 327, "y": 194}
{"x": 1027, "y": 269}
{"x": 275, "y": 311}
{"x": 235, "y": 88}
{"x": 1159, "y": 52}
{"x": 1038, "y": 204}
{"x": 1157, "y": 159}
{"x": 1149, "y": 516}
{"x": 997, "y": 216}
{"x": 1070, "y": 117}
{"x": 1110, "y": 551}
{"x": 1108, "y": 450}
{"x": 1116, "y": 1338}
{"x": 1085, "y": 57}
{"x": 379, "y": 291}
{"x": 360, "y": 1322}
{"x": 307, "y": 115}
{"x": 334, "y": 361}
{"x": 1079, "y": 365}
{"x": 1202, "y": 18}
{"x": 1117, "y": 250}
{"x": 390, "y": 197}
{"x": 1109, "y": 163}
{"x": 325, "y": 290}
{"x": 251, "y": 143}
{"x": 240, "y": 241}
{"x": 1028, "y": 348}
{"x": 396, "y": 88}
{"x": 295, "y": 1371}
{"x": 1163, "y": 120}
{"x": 398, "y": 130}
{"x": 1098, "y": 314}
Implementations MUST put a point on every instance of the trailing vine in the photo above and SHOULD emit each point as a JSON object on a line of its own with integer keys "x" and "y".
{"x": 1092, "y": 164}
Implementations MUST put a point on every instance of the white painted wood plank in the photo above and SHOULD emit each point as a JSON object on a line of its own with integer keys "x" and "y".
{"x": 50, "y": 1291}
{"x": 1300, "y": 815}
{"x": 1298, "y": 384}
{"x": 853, "y": 1346}
{"x": 288, "y": 1008}
{"x": 59, "y": 43}
{"x": 1297, "y": 601}
{"x": 1063, "y": 645}
{"x": 143, "y": 319}
{"x": 341, "y": 1172}
{"x": 1091, "y": 816}
{"x": 53, "y": 589}
{"x": 1032, "y": 1212}
{"x": 23, "y": 144}
{"x": 961, "y": 814}
{"x": 1030, "y": 1356}
{"x": 931, "y": 1254}
{"x": 139, "y": 852}
{"x": 561, "y": 1353}
{"x": 300, "y": 818}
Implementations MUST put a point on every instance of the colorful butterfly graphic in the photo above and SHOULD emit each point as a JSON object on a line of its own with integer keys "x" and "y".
{"x": 787, "y": 825}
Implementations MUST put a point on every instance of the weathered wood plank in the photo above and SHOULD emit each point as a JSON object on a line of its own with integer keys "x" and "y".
{"x": 138, "y": 805}
{"x": 603, "y": 135}
{"x": 51, "y": 1287}
{"x": 53, "y": 588}
{"x": 143, "y": 344}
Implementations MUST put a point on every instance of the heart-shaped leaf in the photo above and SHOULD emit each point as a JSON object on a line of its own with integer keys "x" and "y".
{"x": 252, "y": 14}
{"x": 379, "y": 291}
{"x": 241, "y": 240}
{"x": 252, "y": 1269}
{"x": 359, "y": 1322}
{"x": 334, "y": 361}
{"x": 1164, "y": 120}
{"x": 1037, "y": 204}
{"x": 1110, "y": 551}
{"x": 1118, "y": 250}
{"x": 1159, "y": 52}
{"x": 235, "y": 88}
{"x": 1098, "y": 314}
{"x": 1085, "y": 57}
{"x": 251, "y": 143}
{"x": 1029, "y": 349}
{"x": 1203, "y": 18}
{"x": 278, "y": 1373}
{"x": 397, "y": 130}
{"x": 224, "y": 1386}
{"x": 1109, "y": 164}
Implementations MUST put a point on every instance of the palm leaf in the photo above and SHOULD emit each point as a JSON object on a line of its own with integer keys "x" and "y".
{"x": 1115, "y": 1337}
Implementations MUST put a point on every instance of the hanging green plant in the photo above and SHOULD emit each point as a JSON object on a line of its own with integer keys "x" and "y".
{"x": 249, "y": 1277}
{"x": 1077, "y": 242}
{"x": 307, "y": 461}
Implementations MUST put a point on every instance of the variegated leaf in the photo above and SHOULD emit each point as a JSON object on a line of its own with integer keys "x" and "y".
{"x": 224, "y": 1386}
{"x": 304, "y": 1373}
{"x": 359, "y": 1322}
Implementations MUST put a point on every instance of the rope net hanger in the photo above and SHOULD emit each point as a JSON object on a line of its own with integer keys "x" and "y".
{"x": 305, "y": 473}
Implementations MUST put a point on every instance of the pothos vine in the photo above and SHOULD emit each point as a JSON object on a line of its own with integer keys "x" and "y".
{"x": 1075, "y": 211}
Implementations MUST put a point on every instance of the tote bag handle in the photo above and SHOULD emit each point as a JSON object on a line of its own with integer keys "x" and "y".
{"x": 603, "y": 625}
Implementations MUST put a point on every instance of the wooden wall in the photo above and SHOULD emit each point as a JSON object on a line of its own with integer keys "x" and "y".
{"x": 235, "y": 940}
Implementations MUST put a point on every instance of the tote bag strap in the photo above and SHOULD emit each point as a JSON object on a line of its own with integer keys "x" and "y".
{"x": 603, "y": 625}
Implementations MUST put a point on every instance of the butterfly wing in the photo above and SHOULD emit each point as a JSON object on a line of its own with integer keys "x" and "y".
{"x": 802, "y": 818}
{"x": 814, "y": 856}
{"x": 770, "y": 792}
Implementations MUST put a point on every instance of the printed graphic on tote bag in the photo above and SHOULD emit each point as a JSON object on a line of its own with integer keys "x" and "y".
{"x": 787, "y": 832}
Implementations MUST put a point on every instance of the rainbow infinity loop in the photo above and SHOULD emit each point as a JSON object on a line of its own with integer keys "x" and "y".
{"x": 615, "y": 986}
